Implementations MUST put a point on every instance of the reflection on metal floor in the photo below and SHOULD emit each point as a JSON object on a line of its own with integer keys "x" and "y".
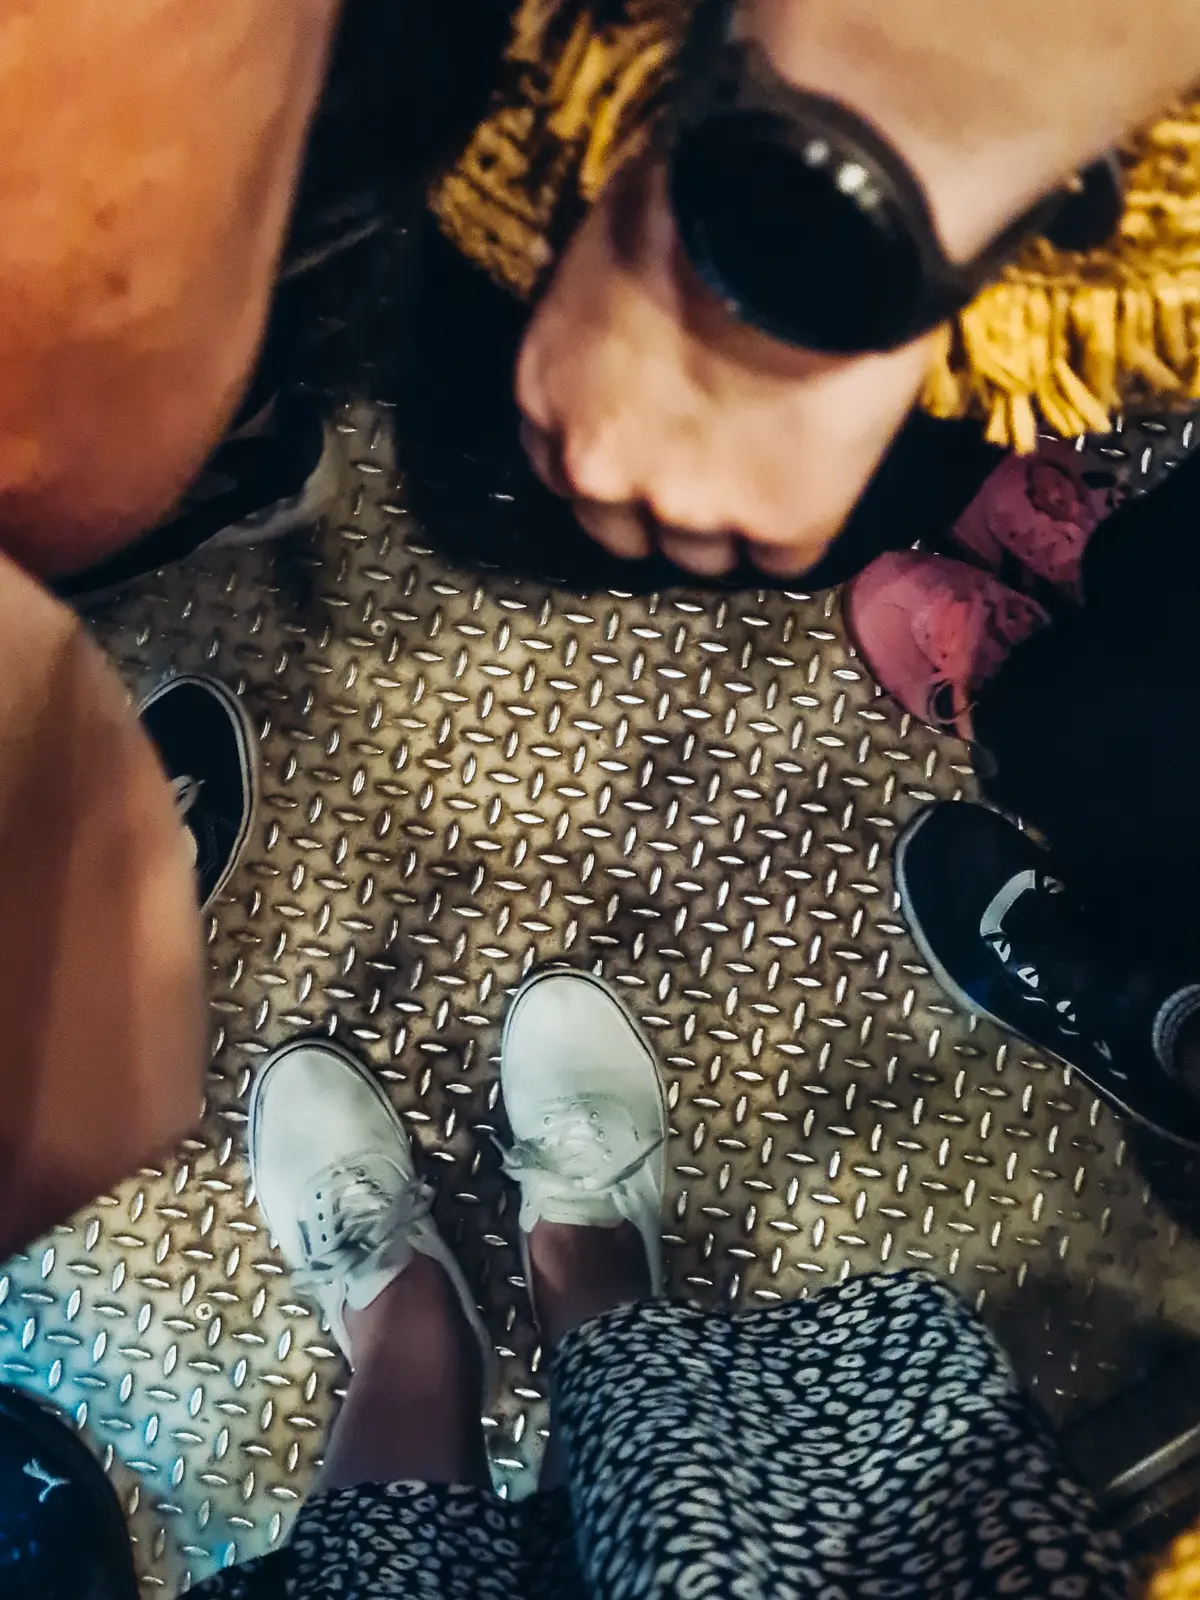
{"x": 696, "y": 794}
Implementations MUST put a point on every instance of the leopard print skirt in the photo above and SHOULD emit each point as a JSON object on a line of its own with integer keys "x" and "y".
{"x": 869, "y": 1443}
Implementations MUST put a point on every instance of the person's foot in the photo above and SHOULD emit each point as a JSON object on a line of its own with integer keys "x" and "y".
{"x": 1005, "y": 940}
{"x": 934, "y": 631}
{"x": 279, "y": 473}
{"x": 334, "y": 1175}
{"x": 62, "y": 1531}
{"x": 588, "y": 1115}
{"x": 1030, "y": 523}
{"x": 206, "y": 745}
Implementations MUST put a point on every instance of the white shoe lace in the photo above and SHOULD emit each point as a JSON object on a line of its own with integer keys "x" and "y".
{"x": 573, "y": 1150}
{"x": 363, "y": 1223}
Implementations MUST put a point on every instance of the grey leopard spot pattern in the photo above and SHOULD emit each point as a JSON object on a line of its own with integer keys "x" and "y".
{"x": 868, "y": 1444}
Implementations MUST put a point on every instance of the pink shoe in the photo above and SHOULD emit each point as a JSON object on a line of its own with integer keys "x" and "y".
{"x": 1034, "y": 514}
{"x": 934, "y": 631}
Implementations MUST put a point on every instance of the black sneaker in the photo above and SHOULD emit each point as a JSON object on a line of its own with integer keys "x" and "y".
{"x": 62, "y": 1533}
{"x": 278, "y": 473}
{"x": 206, "y": 744}
{"x": 1005, "y": 939}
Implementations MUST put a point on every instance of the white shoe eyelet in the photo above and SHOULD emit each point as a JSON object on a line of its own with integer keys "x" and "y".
{"x": 595, "y": 1117}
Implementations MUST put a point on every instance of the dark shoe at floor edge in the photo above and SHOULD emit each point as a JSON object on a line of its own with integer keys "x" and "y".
{"x": 254, "y": 489}
{"x": 1005, "y": 940}
{"x": 206, "y": 745}
{"x": 62, "y": 1531}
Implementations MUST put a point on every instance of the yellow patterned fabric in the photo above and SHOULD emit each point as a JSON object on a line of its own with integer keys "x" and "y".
{"x": 1061, "y": 340}
{"x": 579, "y": 93}
{"x": 1067, "y": 340}
{"x": 1178, "y": 1575}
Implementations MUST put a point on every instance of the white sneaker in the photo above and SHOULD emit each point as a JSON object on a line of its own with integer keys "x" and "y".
{"x": 333, "y": 1170}
{"x": 587, "y": 1110}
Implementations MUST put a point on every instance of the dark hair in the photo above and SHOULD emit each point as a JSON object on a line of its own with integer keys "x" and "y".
{"x": 407, "y": 83}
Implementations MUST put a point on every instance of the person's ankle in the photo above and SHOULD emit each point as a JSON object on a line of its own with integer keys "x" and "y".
{"x": 578, "y": 1273}
{"x": 415, "y": 1396}
{"x": 419, "y": 1298}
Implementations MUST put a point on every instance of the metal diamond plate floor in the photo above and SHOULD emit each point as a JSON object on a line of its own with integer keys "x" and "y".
{"x": 695, "y": 794}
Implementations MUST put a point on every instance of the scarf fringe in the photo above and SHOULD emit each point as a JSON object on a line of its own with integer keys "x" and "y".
{"x": 1031, "y": 353}
{"x": 1067, "y": 341}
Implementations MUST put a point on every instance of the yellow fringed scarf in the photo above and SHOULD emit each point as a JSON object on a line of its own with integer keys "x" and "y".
{"x": 1066, "y": 340}
{"x": 1062, "y": 340}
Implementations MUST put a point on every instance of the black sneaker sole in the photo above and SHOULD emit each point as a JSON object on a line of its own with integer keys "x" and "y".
{"x": 1103, "y": 1090}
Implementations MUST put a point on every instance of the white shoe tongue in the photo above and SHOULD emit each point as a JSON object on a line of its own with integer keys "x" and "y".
{"x": 574, "y": 1206}
{"x": 364, "y": 1287}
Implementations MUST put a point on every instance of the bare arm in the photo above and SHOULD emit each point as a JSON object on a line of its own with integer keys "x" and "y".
{"x": 667, "y": 425}
{"x": 148, "y": 152}
{"x": 101, "y": 953}
{"x": 992, "y": 104}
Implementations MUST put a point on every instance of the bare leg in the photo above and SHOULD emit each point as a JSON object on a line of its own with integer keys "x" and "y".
{"x": 412, "y": 1409}
{"x": 577, "y": 1274}
{"x": 588, "y": 1113}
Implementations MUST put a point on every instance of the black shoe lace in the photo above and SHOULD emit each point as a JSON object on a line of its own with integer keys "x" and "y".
{"x": 1045, "y": 946}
